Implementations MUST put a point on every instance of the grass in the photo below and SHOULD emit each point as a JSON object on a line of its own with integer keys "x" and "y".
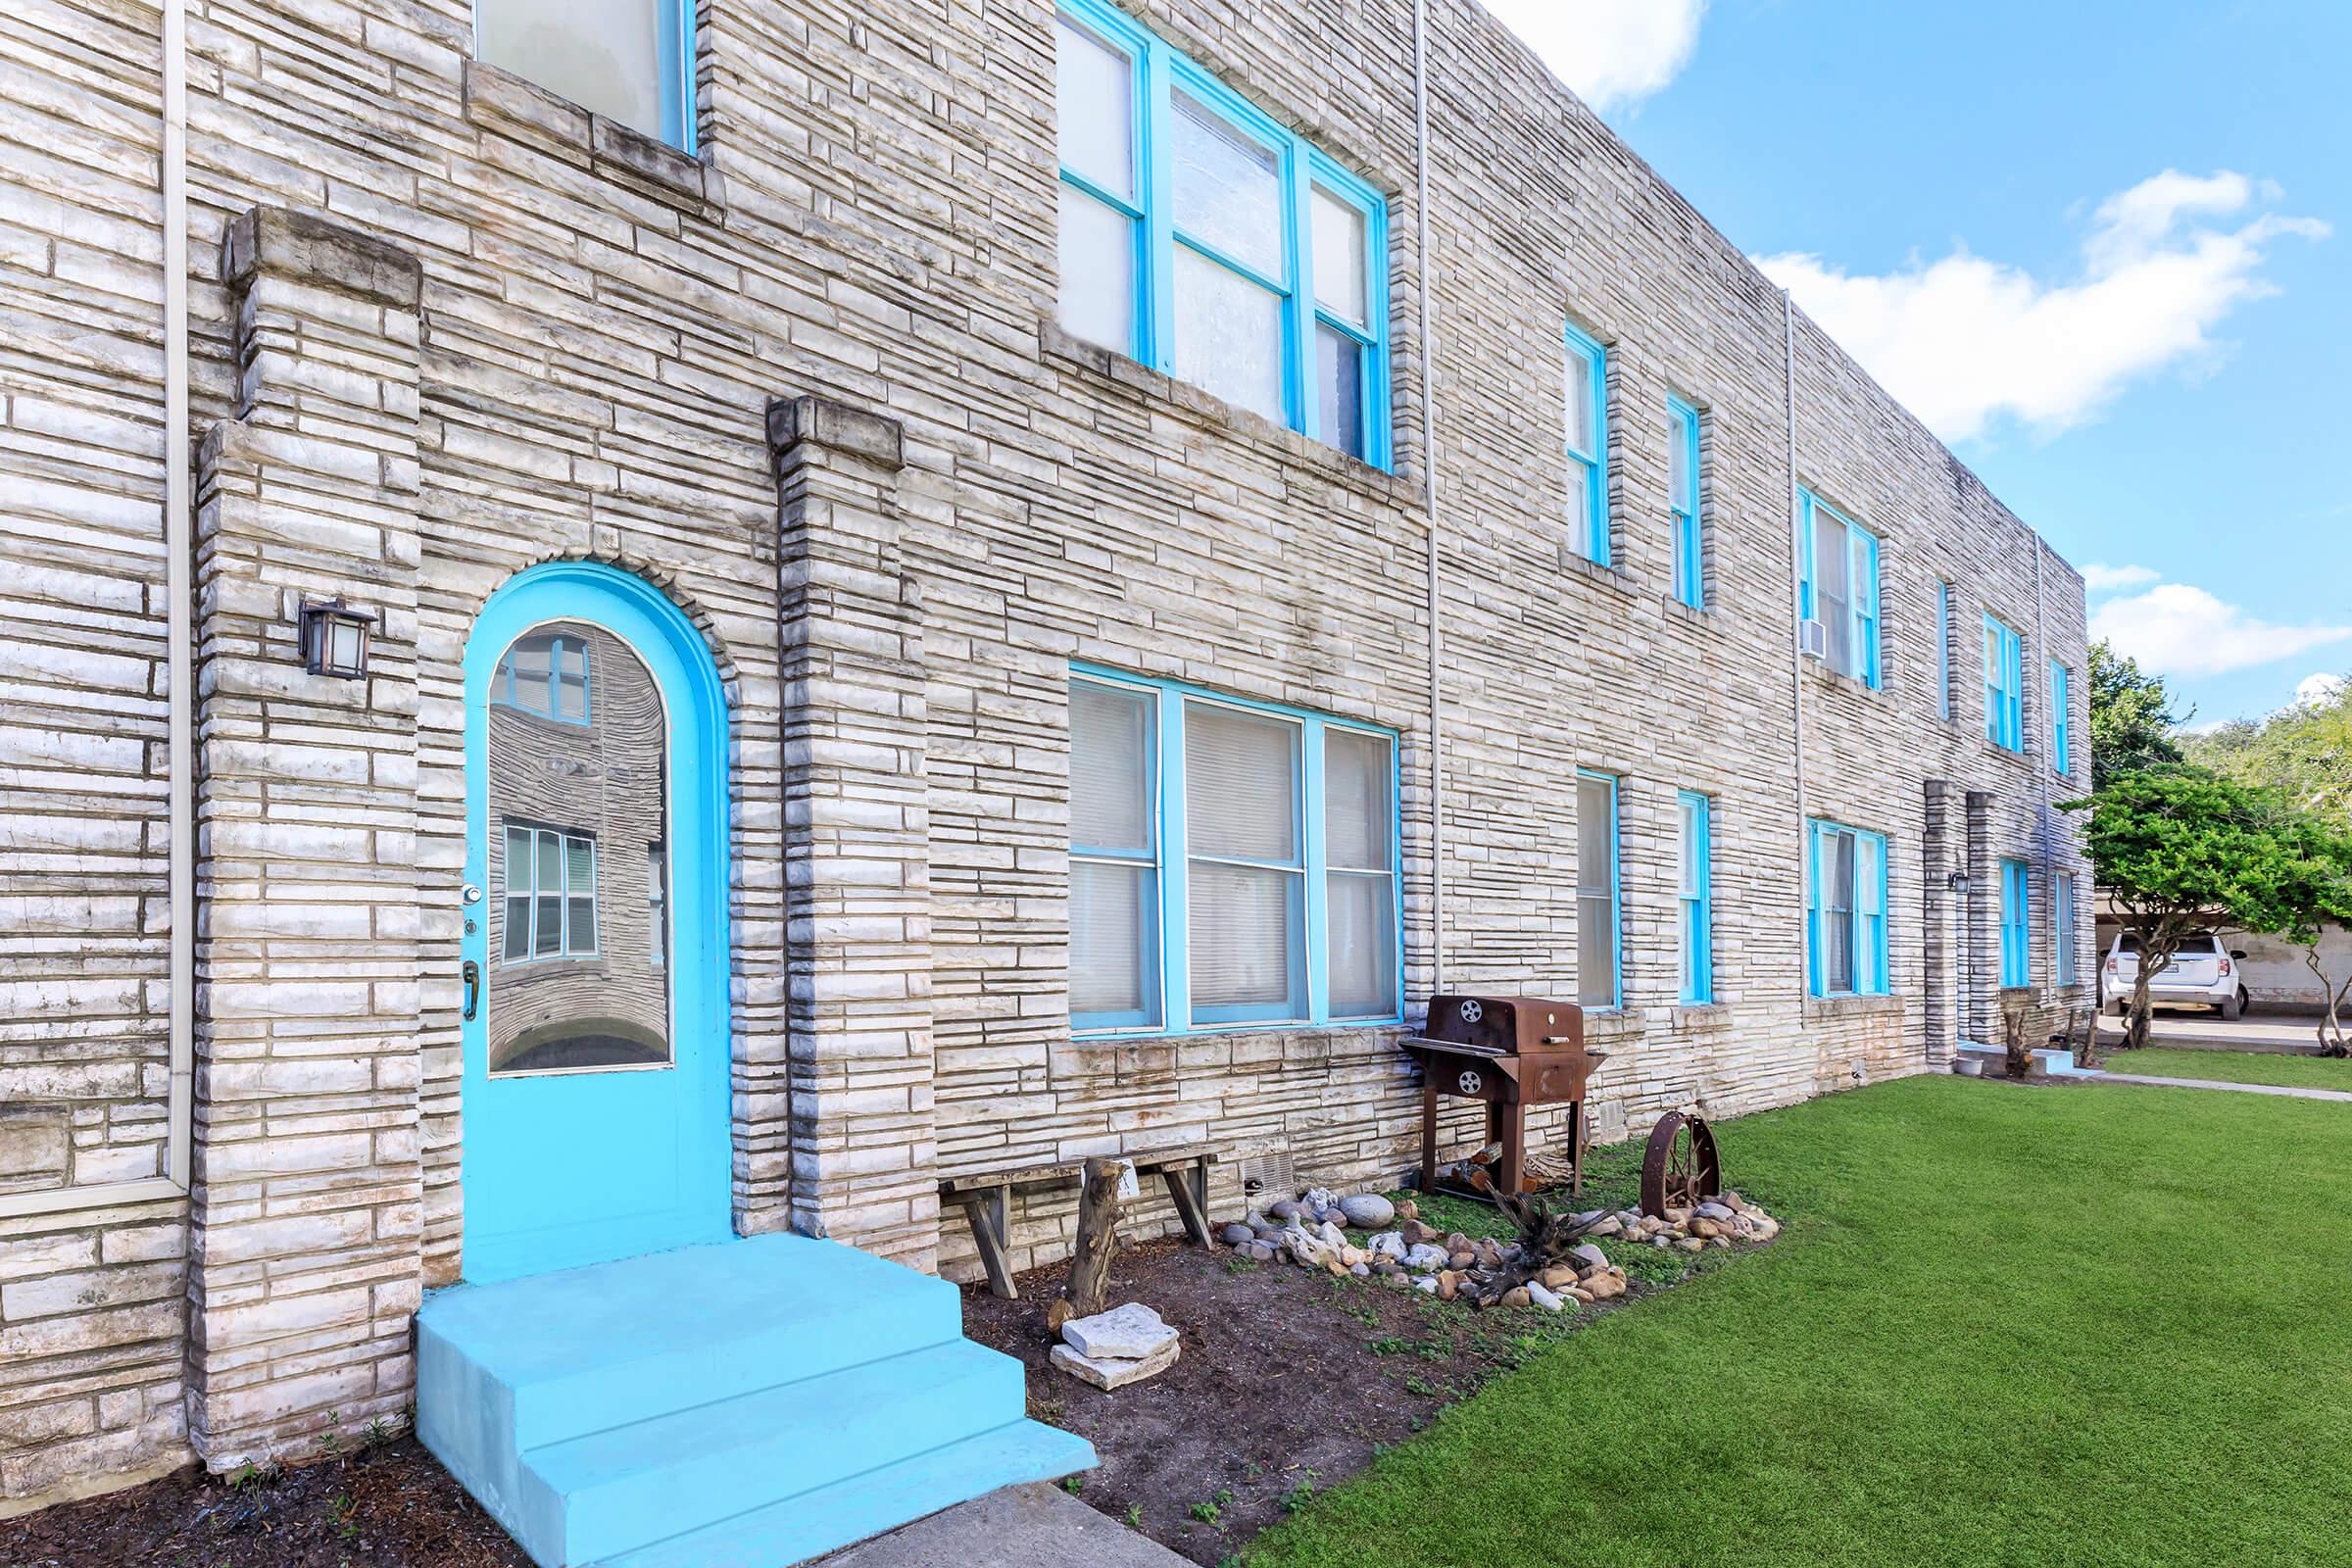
{"x": 2234, "y": 1066}
{"x": 2004, "y": 1326}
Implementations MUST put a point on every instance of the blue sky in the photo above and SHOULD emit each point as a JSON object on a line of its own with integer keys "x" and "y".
{"x": 2105, "y": 249}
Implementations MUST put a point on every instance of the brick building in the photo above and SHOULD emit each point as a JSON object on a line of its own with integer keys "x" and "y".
{"x": 1163, "y": 539}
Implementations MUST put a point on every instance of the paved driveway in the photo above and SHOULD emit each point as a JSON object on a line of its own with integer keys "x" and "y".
{"x": 2209, "y": 1031}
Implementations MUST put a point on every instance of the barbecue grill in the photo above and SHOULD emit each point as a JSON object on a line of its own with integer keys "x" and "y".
{"x": 1512, "y": 1052}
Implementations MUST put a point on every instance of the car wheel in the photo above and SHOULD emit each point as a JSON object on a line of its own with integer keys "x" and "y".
{"x": 2233, "y": 1005}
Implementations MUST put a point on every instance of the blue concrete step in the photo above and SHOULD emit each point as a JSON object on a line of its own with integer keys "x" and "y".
{"x": 598, "y": 1410}
{"x": 609, "y": 1492}
{"x": 800, "y": 1528}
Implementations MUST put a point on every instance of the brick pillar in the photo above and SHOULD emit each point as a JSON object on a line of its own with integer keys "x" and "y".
{"x": 858, "y": 916}
{"x": 1935, "y": 901}
{"x": 1981, "y": 928}
{"x": 304, "y": 1245}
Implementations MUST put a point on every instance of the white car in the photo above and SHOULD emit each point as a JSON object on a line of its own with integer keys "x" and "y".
{"x": 2202, "y": 974}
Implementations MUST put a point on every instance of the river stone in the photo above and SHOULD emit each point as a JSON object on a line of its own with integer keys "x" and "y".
{"x": 1424, "y": 1259}
{"x": 1236, "y": 1234}
{"x": 1368, "y": 1209}
{"x": 1588, "y": 1256}
{"x": 1542, "y": 1298}
{"x": 1282, "y": 1209}
{"x": 1387, "y": 1244}
{"x": 1714, "y": 1210}
{"x": 1123, "y": 1333}
{"x": 1105, "y": 1372}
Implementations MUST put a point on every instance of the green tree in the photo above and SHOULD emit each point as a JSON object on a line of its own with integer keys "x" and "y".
{"x": 2132, "y": 717}
{"x": 2313, "y": 892}
{"x": 2303, "y": 751}
{"x": 2181, "y": 848}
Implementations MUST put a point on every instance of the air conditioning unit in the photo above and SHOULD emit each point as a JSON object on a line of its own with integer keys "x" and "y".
{"x": 1813, "y": 640}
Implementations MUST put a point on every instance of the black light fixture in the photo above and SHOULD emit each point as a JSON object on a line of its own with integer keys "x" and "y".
{"x": 334, "y": 639}
{"x": 1957, "y": 882}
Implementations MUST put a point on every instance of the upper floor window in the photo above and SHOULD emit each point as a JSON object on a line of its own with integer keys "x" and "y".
{"x": 1682, "y": 500}
{"x": 2015, "y": 922}
{"x": 1696, "y": 854}
{"x": 1598, "y": 960}
{"x": 1230, "y": 863}
{"x": 543, "y": 674}
{"x": 631, "y": 61}
{"x": 1840, "y": 588}
{"x": 1846, "y": 911}
{"x": 1201, "y": 238}
{"x": 1588, "y": 445}
{"x": 2062, "y": 748}
{"x": 2004, "y": 685}
{"x": 1943, "y": 649}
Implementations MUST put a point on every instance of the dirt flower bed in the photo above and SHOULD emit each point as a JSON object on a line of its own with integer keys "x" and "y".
{"x": 1290, "y": 1379}
{"x": 388, "y": 1505}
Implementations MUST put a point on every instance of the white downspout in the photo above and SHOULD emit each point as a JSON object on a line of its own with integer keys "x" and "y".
{"x": 1429, "y": 503}
{"x": 1796, "y": 620}
{"x": 180, "y": 591}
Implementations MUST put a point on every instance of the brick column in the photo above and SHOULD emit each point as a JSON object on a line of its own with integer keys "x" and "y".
{"x": 304, "y": 1247}
{"x": 858, "y": 916}
{"x": 1981, "y": 928}
{"x": 1935, "y": 901}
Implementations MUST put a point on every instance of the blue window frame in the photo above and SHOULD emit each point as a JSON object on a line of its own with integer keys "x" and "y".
{"x": 2004, "y": 685}
{"x": 1600, "y": 951}
{"x": 1204, "y": 239}
{"x": 1232, "y": 862}
{"x": 2063, "y": 927}
{"x": 1839, "y": 589}
{"x": 1682, "y": 500}
{"x": 1587, "y": 445}
{"x": 2016, "y": 923}
{"x": 1846, "y": 911}
{"x": 631, "y": 61}
{"x": 1943, "y": 649}
{"x": 1696, "y": 841}
{"x": 2062, "y": 750}
{"x": 550, "y": 889}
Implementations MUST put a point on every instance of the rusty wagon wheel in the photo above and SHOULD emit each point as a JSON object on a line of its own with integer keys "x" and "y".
{"x": 1680, "y": 1169}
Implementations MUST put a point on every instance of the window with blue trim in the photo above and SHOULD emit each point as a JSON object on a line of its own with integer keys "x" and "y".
{"x": 550, "y": 889}
{"x": 1203, "y": 238}
{"x": 1846, "y": 911}
{"x": 1696, "y": 854}
{"x": 631, "y": 61}
{"x": 1840, "y": 588}
{"x": 1231, "y": 863}
{"x": 1587, "y": 445}
{"x": 543, "y": 674}
{"x": 1682, "y": 500}
{"x": 1943, "y": 649}
{"x": 1600, "y": 956}
{"x": 2063, "y": 928}
{"x": 2004, "y": 685}
{"x": 2016, "y": 923}
{"x": 2062, "y": 749}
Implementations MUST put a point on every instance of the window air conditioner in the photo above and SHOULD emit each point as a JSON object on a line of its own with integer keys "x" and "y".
{"x": 1813, "y": 640}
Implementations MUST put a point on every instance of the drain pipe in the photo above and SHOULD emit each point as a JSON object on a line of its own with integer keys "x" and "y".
{"x": 1429, "y": 502}
{"x": 1796, "y": 609}
{"x": 178, "y": 594}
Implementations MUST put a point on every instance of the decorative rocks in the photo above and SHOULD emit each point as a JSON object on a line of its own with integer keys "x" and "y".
{"x": 1111, "y": 1350}
{"x": 1236, "y": 1235}
{"x": 1368, "y": 1210}
{"x": 1588, "y": 1256}
{"x": 1542, "y": 1298}
{"x": 1387, "y": 1244}
{"x": 1425, "y": 1258}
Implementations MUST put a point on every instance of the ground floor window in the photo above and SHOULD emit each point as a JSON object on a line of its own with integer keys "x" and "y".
{"x": 2062, "y": 922}
{"x": 1231, "y": 863}
{"x": 2016, "y": 923}
{"x": 1845, "y": 919}
{"x": 1696, "y": 854}
{"x": 1599, "y": 961}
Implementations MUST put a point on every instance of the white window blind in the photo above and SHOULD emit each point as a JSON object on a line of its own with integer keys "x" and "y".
{"x": 1241, "y": 786}
{"x": 1596, "y": 891}
{"x": 1115, "y": 975}
{"x": 1360, "y": 888}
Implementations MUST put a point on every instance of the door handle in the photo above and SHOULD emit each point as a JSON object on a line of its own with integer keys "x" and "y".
{"x": 473, "y": 987}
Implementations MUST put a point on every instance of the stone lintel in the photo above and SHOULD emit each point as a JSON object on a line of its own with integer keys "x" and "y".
{"x": 321, "y": 251}
{"x": 794, "y": 422}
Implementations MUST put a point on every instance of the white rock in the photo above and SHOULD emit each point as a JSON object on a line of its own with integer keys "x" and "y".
{"x": 1369, "y": 1210}
{"x": 1331, "y": 1235}
{"x": 1427, "y": 1285}
{"x": 1109, "y": 1373}
{"x": 1549, "y": 1301}
{"x": 1425, "y": 1257}
{"x": 1389, "y": 1244}
{"x": 1123, "y": 1333}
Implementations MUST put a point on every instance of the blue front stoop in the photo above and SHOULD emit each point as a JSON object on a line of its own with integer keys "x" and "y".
{"x": 745, "y": 1405}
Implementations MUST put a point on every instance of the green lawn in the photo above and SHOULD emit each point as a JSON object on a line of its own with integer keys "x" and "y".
{"x": 2234, "y": 1066}
{"x": 2004, "y": 1326}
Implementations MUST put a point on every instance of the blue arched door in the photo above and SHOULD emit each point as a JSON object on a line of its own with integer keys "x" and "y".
{"x": 595, "y": 945}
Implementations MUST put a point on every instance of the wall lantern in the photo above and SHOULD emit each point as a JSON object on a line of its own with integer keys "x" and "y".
{"x": 334, "y": 639}
{"x": 1958, "y": 883}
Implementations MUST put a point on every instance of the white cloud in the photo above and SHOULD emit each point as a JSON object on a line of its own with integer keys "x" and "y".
{"x": 2099, "y": 579}
{"x": 2174, "y": 629}
{"x": 1611, "y": 52}
{"x": 1965, "y": 340}
{"x": 2317, "y": 691}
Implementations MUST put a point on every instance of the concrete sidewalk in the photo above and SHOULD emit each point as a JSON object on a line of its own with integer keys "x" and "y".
{"x": 1036, "y": 1526}
{"x": 2289, "y": 1091}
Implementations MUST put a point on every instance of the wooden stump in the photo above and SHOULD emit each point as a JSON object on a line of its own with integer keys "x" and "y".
{"x": 1098, "y": 1206}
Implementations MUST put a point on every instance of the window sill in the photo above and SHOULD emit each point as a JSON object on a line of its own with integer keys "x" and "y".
{"x": 1605, "y": 1024}
{"x": 1137, "y": 379}
{"x": 1614, "y": 578}
{"x": 1698, "y": 615}
{"x": 1150, "y": 1034}
{"x": 1837, "y": 680}
{"x": 1703, "y": 1015}
{"x": 1872, "y": 1007}
{"x": 501, "y": 101}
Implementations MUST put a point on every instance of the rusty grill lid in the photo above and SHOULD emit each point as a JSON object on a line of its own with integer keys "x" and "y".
{"x": 1504, "y": 1025}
